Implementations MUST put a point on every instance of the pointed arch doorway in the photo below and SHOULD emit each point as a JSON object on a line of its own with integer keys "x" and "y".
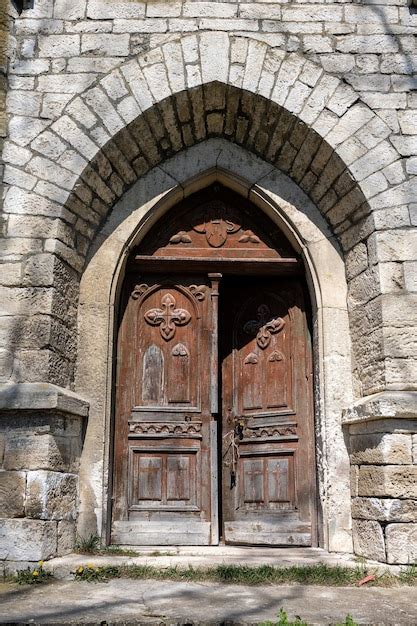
{"x": 214, "y": 427}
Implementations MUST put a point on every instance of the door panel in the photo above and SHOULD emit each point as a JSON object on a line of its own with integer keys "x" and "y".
{"x": 164, "y": 453}
{"x": 267, "y": 457}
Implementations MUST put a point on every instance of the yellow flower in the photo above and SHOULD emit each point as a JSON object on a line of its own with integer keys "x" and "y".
{"x": 90, "y": 566}
{"x": 40, "y": 563}
{"x": 35, "y": 573}
{"x": 80, "y": 569}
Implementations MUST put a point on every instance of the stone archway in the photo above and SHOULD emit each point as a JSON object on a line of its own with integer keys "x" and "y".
{"x": 300, "y": 220}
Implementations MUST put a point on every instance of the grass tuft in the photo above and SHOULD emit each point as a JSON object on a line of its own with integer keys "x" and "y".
{"x": 92, "y": 545}
{"x": 34, "y": 576}
{"x": 320, "y": 574}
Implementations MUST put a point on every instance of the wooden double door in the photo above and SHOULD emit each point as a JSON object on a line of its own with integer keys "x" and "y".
{"x": 214, "y": 430}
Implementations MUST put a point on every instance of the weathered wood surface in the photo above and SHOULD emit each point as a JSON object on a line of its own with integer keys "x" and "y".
{"x": 209, "y": 362}
{"x": 268, "y": 446}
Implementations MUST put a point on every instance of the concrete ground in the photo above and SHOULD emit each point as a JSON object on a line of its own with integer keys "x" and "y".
{"x": 165, "y": 602}
{"x": 151, "y": 602}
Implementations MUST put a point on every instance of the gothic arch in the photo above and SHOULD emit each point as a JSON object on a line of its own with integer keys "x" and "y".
{"x": 277, "y": 195}
{"x": 279, "y": 105}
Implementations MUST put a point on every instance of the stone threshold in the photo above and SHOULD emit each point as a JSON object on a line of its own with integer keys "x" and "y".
{"x": 211, "y": 556}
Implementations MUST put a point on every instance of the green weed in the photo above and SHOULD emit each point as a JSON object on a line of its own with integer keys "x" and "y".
{"x": 94, "y": 574}
{"x": 284, "y": 621}
{"x": 88, "y": 545}
{"x": 349, "y": 621}
{"x": 34, "y": 576}
{"x": 408, "y": 575}
{"x": 92, "y": 545}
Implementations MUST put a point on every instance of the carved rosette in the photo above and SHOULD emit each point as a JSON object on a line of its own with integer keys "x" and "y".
{"x": 263, "y": 327}
{"x": 167, "y": 317}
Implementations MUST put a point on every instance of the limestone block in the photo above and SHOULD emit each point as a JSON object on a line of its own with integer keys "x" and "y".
{"x": 165, "y": 9}
{"x": 410, "y": 275}
{"x": 388, "y": 481}
{"x": 65, "y": 83}
{"x": 401, "y": 541}
{"x": 354, "y": 476}
{"x": 373, "y": 413}
{"x": 27, "y": 540}
{"x": 24, "y": 103}
{"x": 384, "y": 509}
{"x": 66, "y": 537}
{"x": 114, "y": 45}
{"x": 36, "y": 450}
{"x": 356, "y": 260}
{"x": 104, "y": 10}
{"x": 214, "y": 65}
{"x": 59, "y": 46}
{"x": 402, "y": 372}
{"x": 415, "y": 449}
{"x": 380, "y": 448}
{"x": 51, "y": 495}
{"x": 398, "y": 245}
{"x": 7, "y": 365}
{"x": 368, "y": 539}
{"x": 73, "y": 10}
{"x": 12, "y": 494}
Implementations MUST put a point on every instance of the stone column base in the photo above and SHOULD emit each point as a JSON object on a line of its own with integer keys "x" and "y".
{"x": 41, "y": 435}
{"x": 382, "y": 433}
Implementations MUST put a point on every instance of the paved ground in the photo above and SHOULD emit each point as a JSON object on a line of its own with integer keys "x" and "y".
{"x": 151, "y": 602}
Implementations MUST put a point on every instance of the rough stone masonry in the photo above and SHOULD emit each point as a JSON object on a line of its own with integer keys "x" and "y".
{"x": 101, "y": 96}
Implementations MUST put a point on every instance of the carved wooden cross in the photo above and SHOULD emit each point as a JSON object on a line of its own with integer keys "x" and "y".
{"x": 263, "y": 326}
{"x": 167, "y": 317}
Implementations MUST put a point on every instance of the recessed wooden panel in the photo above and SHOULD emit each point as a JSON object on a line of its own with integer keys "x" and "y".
{"x": 180, "y": 478}
{"x": 148, "y": 478}
{"x": 167, "y": 321}
{"x": 267, "y": 481}
{"x": 278, "y": 473}
{"x": 163, "y": 479}
{"x": 153, "y": 376}
{"x": 253, "y": 478}
{"x": 179, "y": 380}
{"x": 262, "y": 355}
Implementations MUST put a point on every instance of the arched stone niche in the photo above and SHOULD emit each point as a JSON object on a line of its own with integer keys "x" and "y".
{"x": 275, "y": 194}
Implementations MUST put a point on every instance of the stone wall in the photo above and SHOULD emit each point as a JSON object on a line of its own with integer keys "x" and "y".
{"x": 102, "y": 92}
{"x": 383, "y": 455}
{"x": 41, "y": 431}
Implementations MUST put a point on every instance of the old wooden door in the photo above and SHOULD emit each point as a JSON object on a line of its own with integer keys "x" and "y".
{"x": 180, "y": 399}
{"x": 267, "y": 457}
{"x": 164, "y": 450}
